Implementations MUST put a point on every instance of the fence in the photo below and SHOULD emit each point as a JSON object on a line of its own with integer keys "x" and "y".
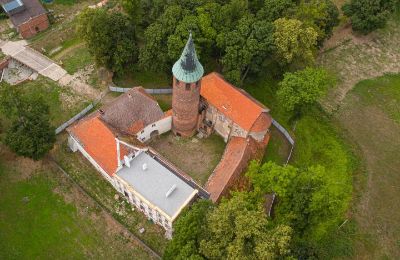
{"x": 157, "y": 91}
{"x": 287, "y": 135}
{"x": 74, "y": 118}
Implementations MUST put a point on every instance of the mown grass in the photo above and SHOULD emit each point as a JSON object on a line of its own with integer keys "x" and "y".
{"x": 371, "y": 114}
{"x": 78, "y": 58}
{"x": 36, "y": 223}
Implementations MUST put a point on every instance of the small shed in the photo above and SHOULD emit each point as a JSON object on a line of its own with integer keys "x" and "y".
{"x": 28, "y": 16}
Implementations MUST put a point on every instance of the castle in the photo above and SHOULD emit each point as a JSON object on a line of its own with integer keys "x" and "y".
{"x": 114, "y": 139}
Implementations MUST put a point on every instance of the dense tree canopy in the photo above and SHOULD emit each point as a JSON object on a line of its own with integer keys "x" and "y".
{"x": 110, "y": 37}
{"x": 31, "y": 134}
{"x": 295, "y": 42}
{"x": 368, "y": 15}
{"x": 303, "y": 87}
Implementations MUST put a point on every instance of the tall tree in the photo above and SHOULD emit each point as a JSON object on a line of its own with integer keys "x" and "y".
{"x": 238, "y": 229}
{"x": 189, "y": 230}
{"x": 110, "y": 37}
{"x": 368, "y": 15}
{"x": 321, "y": 15}
{"x": 31, "y": 134}
{"x": 245, "y": 48}
{"x": 294, "y": 42}
{"x": 134, "y": 9}
{"x": 274, "y": 9}
{"x": 302, "y": 88}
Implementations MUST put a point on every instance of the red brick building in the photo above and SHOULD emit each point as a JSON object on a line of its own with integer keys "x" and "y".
{"x": 28, "y": 16}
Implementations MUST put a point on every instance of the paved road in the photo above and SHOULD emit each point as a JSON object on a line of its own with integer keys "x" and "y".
{"x": 33, "y": 59}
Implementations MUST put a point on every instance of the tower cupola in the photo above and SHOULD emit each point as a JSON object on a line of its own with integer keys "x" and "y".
{"x": 188, "y": 68}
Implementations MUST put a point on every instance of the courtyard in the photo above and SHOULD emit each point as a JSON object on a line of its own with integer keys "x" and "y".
{"x": 197, "y": 157}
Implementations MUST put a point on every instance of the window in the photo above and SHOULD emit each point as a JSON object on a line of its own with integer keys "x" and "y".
{"x": 198, "y": 83}
{"x": 187, "y": 86}
{"x": 142, "y": 132}
{"x": 153, "y": 125}
{"x": 176, "y": 81}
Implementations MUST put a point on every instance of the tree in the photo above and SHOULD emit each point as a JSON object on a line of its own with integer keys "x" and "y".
{"x": 31, "y": 134}
{"x": 238, "y": 229}
{"x": 134, "y": 9}
{"x": 303, "y": 88}
{"x": 307, "y": 198}
{"x": 295, "y": 43}
{"x": 110, "y": 38}
{"x": 321, "y": 15}
{"x": 156, "y": 39}
{"x": 274, "y": 9}
{"x": 246, "y": 47}
{"x": 189, "y": 230}
{"x": 368, "y": 15}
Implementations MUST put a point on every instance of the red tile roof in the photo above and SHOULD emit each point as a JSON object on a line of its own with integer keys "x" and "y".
{"x": 231, "y": 101}
{"x": 262, "y": 123}
{"x": 98, "y": 141}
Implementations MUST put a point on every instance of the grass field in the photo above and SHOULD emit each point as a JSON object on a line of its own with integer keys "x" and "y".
{"x": 43, "y": 216}
{"x": 371, "y": 116}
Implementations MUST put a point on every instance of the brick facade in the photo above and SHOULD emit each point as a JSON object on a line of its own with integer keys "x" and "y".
{"x": 33, "y": 26}
{"x": 185, "y": 107}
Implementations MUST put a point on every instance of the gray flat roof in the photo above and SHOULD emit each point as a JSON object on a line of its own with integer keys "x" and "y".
{"x": 155, "y": 182}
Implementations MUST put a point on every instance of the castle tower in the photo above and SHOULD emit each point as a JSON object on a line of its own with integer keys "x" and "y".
{"x": 187, "y": 72}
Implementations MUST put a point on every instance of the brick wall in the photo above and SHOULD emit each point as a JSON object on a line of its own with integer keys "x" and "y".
{"x": 33, "y": 26}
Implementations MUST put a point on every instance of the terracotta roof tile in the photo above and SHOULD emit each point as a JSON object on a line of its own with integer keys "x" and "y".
{"x": 262, "y": 123}
{"x": 98, "y": 141}
{"x": 231, "y": 101}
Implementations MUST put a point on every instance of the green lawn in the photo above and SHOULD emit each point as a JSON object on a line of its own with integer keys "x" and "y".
{"x": 75, "y": 59}
{"x": 371, "y": 116}
{"x": 37, "y": 223}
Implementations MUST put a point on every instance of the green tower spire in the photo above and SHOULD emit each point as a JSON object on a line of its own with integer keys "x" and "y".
{"x": 188, "y": 68}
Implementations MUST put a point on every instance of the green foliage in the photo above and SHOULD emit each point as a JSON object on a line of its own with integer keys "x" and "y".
{"x": 134, "y": 9}
{"x": 368, "y": 15}
{"x": 274, "y": 9}
{"x": 321, "y": 15}
{"x": 245, "y": 48}
{"x": 31, "y": 134}
{"x": 189, "y": 230}
{"x": 110, "y": 38}
{"x": 303, "y": 88}
{"x": 238, "y": 229}
{"x": 295, "y": 42}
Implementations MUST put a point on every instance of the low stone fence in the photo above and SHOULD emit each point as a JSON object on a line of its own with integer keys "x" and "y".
{"x": 74, "y": 118}
{"x": 287, "y": 135}
{"x": 156, "y": 91}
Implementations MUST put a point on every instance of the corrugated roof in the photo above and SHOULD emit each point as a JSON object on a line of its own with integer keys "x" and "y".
{"x": 230, "y": 101}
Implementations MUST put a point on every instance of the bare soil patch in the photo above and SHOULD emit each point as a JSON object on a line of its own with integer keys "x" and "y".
{"x": 197, "y": 157}
{"x": 353, "y": 58}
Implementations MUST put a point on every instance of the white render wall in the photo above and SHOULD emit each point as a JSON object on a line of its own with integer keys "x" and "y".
{"x": 132, "y": 196}
{"x": 162, "y": 126}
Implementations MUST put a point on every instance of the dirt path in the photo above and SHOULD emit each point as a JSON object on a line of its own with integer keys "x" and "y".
{"x": 354, "y": 58}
